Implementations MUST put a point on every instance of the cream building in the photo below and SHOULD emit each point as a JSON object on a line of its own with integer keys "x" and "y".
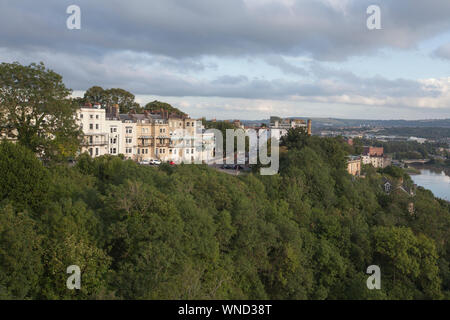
{"x": 145, "y": 136}
{"x": 354, "y": 165}
{"x": 92, "y": 121}
{"x": 377, "y": 161}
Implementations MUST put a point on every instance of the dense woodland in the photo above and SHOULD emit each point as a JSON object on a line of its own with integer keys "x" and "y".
{"x": 190, "y": 232}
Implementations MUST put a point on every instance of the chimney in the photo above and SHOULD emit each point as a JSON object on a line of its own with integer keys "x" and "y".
{"x": 309, "y": 127}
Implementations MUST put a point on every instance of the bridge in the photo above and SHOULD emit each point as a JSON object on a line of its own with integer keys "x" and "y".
{"x": 422, "y": 161}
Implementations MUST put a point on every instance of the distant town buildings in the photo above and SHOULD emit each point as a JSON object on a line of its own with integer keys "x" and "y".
{"x": 375, "y": 156}
{"x": 280, "y": 126}
{"x": 373, "y": 151}
{"x": 371, "y": 155}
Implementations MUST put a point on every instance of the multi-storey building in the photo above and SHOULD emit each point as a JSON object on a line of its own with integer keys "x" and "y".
{"x": 377, "y": 161}
{"x": 373, "y": 151}
{"x": 354, "y": 165}
{"x": 144, "y": 136}
{"x": 376, "y": 157}
{"x": 92, "y": 120}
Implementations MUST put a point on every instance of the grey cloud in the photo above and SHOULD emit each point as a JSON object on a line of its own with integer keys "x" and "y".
{"x": 283, "y": 65}
{"x": 81, "y": 72}
{"x": 234, "y": 27}
{"x": 443, "y": 52}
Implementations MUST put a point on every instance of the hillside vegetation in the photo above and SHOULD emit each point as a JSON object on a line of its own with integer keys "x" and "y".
{"x": 191, "y": 232}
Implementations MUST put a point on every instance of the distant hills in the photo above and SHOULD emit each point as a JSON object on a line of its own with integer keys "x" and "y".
{"x": 339, "y": 123}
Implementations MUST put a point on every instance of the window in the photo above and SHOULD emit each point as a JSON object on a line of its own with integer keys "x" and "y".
{"x": 129, "y": 150}
{"x": 96, "y": 151}
{"x": 129, "y": 140}
{"x": 170, "y": 150}
{"x": 187, "y": 124}
{"x": 96, "y": 126}
{"x": 129, "y": 130}
{"x": 91, "y": 126}
{"x": 187, "y": 151}
{"x": 96, "y": 116}
{"x": 90, "y": 151}
{"x": 91, "y": 116}
{"x": 81, "y": 116}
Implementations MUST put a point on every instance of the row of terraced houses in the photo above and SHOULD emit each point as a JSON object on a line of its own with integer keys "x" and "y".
{"x": 146, "y": 136}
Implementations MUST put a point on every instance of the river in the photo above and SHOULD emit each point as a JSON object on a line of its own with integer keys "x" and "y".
{"x": 434, "y": 180}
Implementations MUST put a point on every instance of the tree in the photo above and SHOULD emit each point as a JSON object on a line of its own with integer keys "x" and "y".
{"x": 155, "y": 106}
{"x": 95, "y": 94}
{"x": 408, "y": 258}
{"x": 20, "y": 255}
{"x": 119, "y": 96}
{"x": 294, "y": 138}
{"x": 36, "y": 110}
{"x": 23, "y": 181}
{"x": 123, "y": 98}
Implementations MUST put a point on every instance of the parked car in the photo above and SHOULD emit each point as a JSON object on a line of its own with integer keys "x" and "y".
{"x": 227, "y": 166}
{"x": 172, "y": 163}
{"x": 155, "y": 162}
{"x": 144, "y": 162}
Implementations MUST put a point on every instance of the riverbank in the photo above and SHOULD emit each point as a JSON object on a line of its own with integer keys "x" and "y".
{"x": 416, "y": 168}
{"x": 434, "y": 179}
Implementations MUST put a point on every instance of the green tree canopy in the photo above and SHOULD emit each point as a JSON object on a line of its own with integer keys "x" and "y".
{"x": 36, "y": 110}
{"x": 155, "y": 106}
{"x": 123, "y": 98}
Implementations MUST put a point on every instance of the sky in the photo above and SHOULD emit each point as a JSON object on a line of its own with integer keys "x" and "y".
{"x": 246, "y": 59}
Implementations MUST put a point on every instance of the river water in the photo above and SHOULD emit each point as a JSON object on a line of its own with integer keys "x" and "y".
{"x": 434, "y": 180}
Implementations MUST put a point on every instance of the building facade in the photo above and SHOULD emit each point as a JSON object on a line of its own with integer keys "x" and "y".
{"x": 92, "y": 121}
{"x": 354, "y": 165}
{"x": 147, "y": 136}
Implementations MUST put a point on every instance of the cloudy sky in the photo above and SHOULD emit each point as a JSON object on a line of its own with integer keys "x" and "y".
{"x": 246, "y": 59}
